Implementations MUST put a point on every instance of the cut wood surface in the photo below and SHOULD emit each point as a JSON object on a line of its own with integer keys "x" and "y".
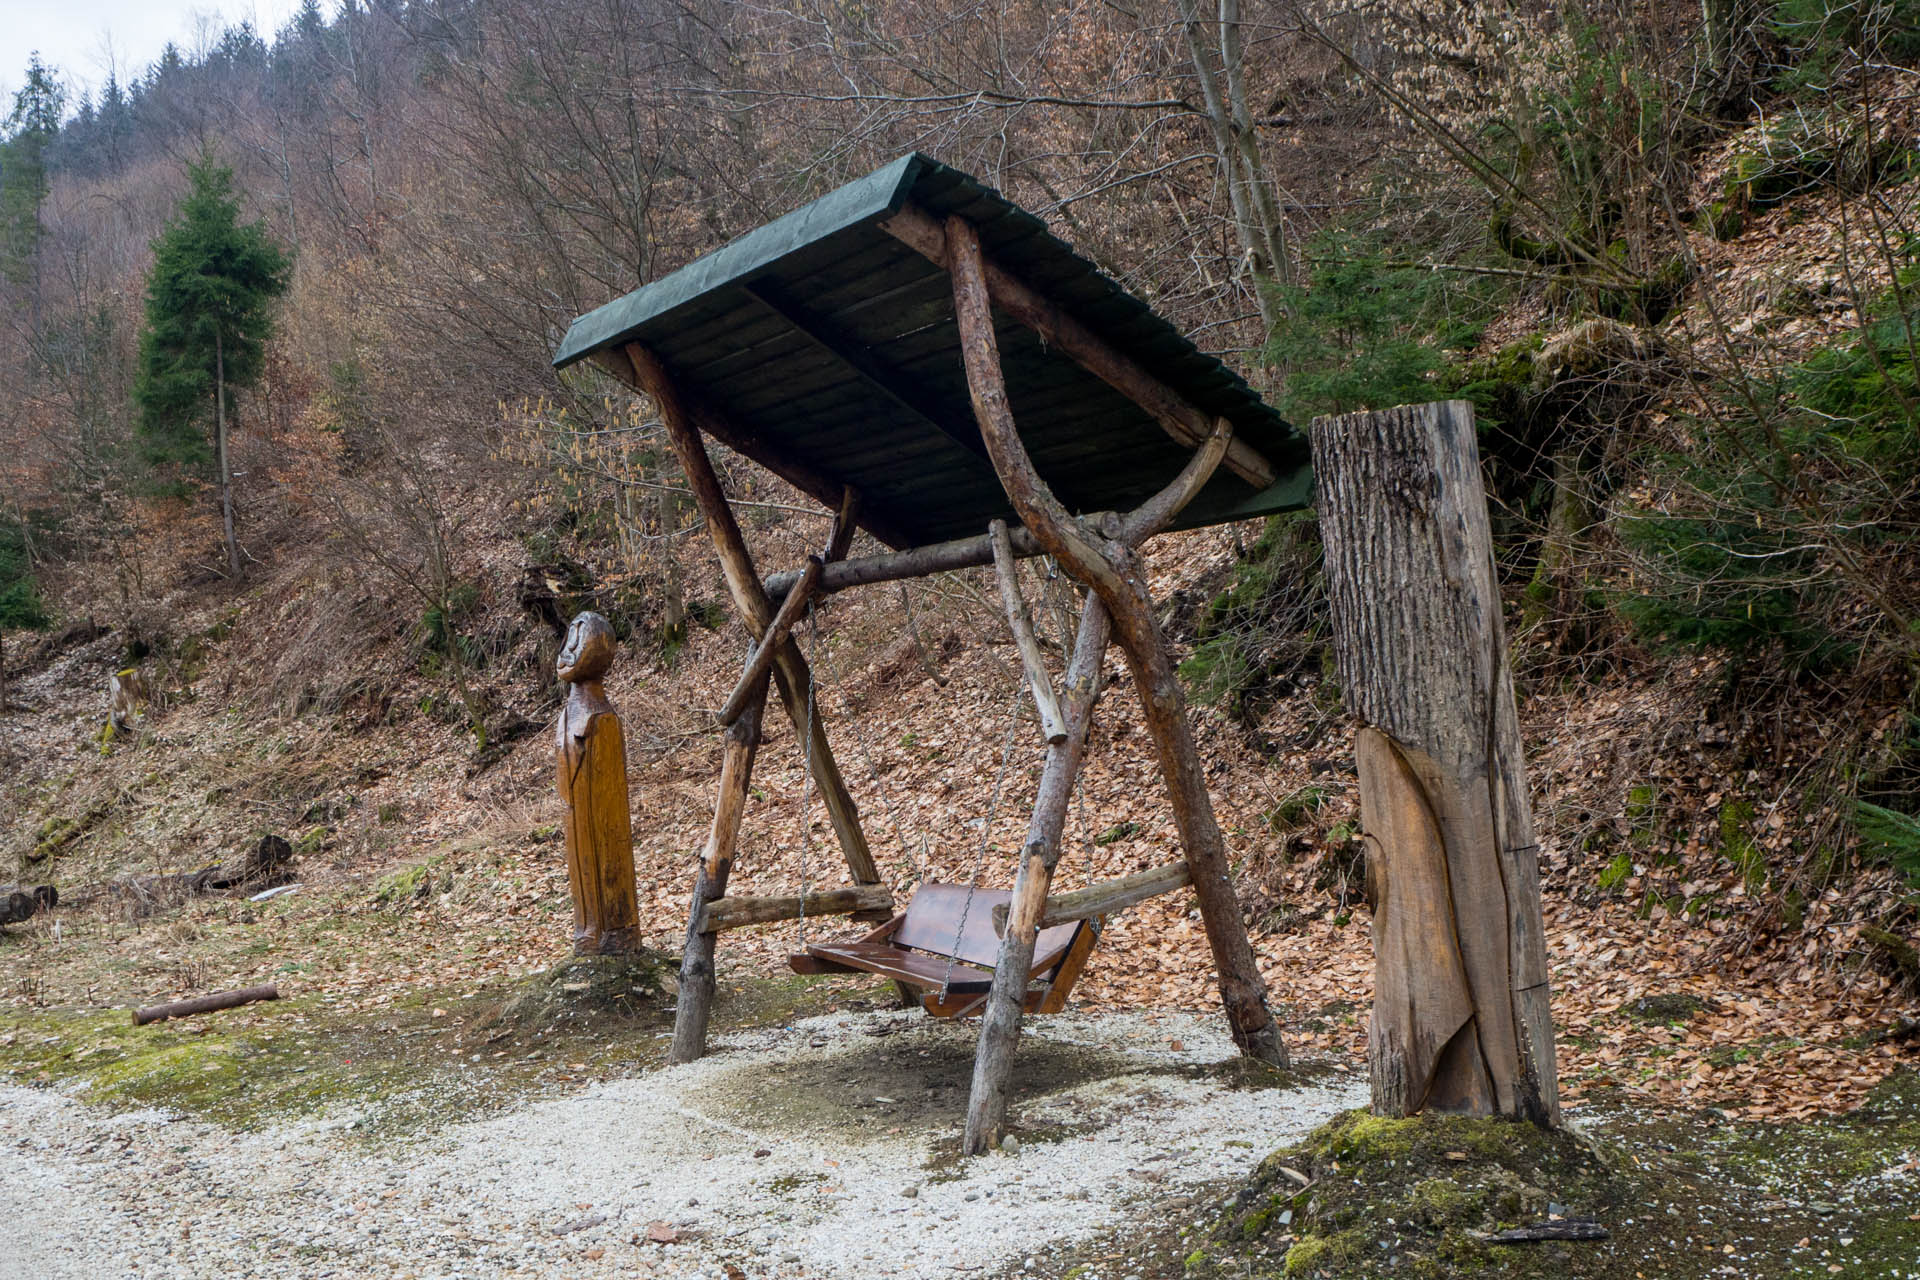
{"x": 204, "y": 1004}
{"x": 1460, "y": 1018}
{"x": 1108, "y": 897}
{"x": 736, "y": 913}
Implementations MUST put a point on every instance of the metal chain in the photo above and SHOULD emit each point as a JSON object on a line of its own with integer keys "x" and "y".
{"x": 986, "y": 834}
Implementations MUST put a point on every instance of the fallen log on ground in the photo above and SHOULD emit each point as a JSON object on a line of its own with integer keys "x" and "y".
{"x": 203, "y": 1004}
{"x": 262, "y": 868}
{"x": 21, "y": 902}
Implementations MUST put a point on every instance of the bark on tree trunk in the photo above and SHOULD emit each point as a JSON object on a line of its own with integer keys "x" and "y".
{"x": 1461, "y": 1017}
{"x": 220, "y": 446}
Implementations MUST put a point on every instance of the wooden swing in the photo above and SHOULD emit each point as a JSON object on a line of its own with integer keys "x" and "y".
{"x": 942, "y": 949}
{"x": 874, "y": 349}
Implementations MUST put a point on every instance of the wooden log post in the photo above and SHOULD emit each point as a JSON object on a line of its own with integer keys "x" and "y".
{"x": 1113, "y": 572}
{"x": 1461, "y": 1015}
{"x": 791, "y": 674}
{"x": 591, "y": 755}
{"x": 1006, "y": 1000}
{"x": 697, "y": 982}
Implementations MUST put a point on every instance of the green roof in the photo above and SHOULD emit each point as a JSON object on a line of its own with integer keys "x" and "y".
{"x": 825, "y": 336}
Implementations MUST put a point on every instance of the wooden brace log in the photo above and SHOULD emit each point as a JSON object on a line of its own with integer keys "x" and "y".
{"x": 1039, "y": 683}
{"x": 923, "y": 561}
{"x": 1106, "y": 898}
{"x": 755, "y": 675}
{"x": 204, "y": 1004}
{"x": 1179, "y": 417}
{"x": 791, "y": 673}
{"x": 737, "y": 913}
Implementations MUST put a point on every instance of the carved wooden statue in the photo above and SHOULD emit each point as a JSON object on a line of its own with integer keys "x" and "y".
{"x": 592, "y": 755}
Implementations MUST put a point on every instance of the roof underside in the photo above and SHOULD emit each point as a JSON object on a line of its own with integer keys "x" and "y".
{"x": 833, "y": 341}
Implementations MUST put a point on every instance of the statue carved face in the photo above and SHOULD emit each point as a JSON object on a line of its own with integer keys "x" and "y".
{"x": 588, "y": 651}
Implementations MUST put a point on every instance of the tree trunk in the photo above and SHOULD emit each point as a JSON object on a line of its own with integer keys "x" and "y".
{"x": 1461, "y": 1016}
{"x": 203, "y": 1004}
{"x": 220, "y": 446}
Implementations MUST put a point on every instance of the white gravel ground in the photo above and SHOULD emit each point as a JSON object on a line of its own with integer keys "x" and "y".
{"x": 732, "y": 1155}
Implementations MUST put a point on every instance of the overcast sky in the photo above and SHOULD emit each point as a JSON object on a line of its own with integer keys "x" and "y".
{"x": 83, "y": 37}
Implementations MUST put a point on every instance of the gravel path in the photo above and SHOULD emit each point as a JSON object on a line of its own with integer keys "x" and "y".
{"x": 779, "y": 1157}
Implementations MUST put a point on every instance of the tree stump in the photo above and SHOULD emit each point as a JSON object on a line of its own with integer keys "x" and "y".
{"x": 1461, "y": 1016}
{"x": 591, "y": 752}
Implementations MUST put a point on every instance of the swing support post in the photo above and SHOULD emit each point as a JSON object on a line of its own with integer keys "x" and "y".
{"x": 1111, "y": 568}
{"x": 1000, "y": 1023}
{"x": 697, "y": 981}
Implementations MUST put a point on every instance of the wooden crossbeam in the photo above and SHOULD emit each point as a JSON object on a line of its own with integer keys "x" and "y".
{"x": 920, "y": 562}
{"x": 737, "y": 913}
{"x": 1178, "y": 416}
{"x": 1107, "y": 897}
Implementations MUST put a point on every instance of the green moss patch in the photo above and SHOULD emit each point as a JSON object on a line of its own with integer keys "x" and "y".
{"x": 1680, "y": 1198}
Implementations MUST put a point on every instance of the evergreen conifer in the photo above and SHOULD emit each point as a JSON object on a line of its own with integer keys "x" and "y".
{"x": 208, "y": 318}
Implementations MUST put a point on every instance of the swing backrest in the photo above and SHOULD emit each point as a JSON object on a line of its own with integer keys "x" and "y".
{"x": 934, "y": 915}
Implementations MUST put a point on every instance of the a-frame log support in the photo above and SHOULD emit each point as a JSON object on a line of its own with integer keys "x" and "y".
{"x": 794, "y": 679}
{"x": 1106, "y": 561}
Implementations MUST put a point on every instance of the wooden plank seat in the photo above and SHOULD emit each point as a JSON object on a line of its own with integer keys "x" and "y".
{"x": 916, "y": 946}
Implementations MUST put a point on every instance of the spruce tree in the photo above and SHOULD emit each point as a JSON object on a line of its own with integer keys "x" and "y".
{"x": 208, "y": 318}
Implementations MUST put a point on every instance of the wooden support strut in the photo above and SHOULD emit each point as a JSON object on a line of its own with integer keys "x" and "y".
{"x": 1006, "y": 1000}
{"x": 1178, "y": 416}
{"x": 791, "y": 674}
{"x": 1107, "y": 897}
{"x": 708, "y": 419}
{"x": 697, "y": 981}
{"x": 761, "y": 661}
{"x": 921, "y": 561}
{"x": 1114, "y": 573}
{"x": 1039, "y": 683}
{"x": 737, "y": 913}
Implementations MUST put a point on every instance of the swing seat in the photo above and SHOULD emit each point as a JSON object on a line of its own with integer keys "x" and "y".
{"x": 916, "y": 946}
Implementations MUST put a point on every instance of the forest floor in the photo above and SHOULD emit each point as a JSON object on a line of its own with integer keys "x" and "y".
{"x": 431, "y": 891}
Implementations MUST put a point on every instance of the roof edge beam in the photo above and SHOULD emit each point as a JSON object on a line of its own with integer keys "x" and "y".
{"x": 859, "y": 357}
{"x": 823, "y": 489}
{"x": 1178, "y": 416}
